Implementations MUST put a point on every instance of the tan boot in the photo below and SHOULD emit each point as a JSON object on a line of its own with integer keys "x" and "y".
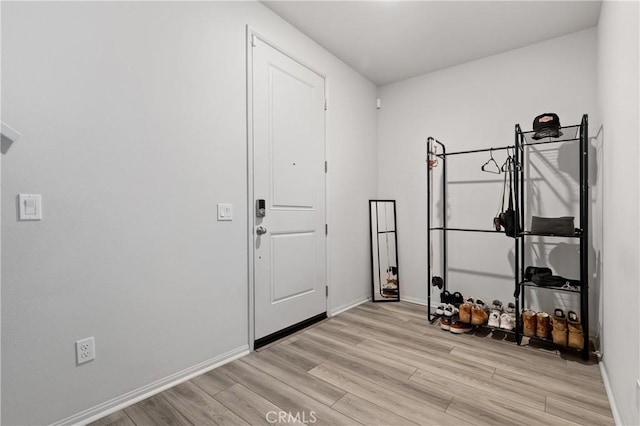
{"x": 543, "y": 325}
{"x": 479, "y": 313}
{"x": 465, "y": 312}
{"x": 529, "y": 323}
{"x": 576, "y": 337}
{"x": 559, "y": 332}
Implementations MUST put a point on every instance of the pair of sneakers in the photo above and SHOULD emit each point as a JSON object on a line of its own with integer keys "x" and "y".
{"x": 454, "y": 325}
{"x": 446, "y": 309}
{"x": 502, "y": 318}
{"x": 451, "y": 298}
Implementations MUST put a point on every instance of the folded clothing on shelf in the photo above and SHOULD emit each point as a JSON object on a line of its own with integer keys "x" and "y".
{"x": 530, "y": 271}
{"x": 562, "y": 226}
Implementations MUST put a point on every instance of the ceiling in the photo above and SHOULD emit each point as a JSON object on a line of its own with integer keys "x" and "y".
{"x": 387, "y": 41}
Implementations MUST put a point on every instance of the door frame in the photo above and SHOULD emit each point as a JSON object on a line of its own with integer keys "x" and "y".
{"x": 250, "y": 33}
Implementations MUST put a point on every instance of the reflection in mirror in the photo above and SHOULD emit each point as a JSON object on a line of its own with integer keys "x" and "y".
{"x": 384, "y": 251}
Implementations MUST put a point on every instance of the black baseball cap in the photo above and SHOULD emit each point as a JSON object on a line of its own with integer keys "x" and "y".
{"x": 547, "y": 125}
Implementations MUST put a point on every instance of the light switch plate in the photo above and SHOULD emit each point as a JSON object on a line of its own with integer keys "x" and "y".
{"x": 30, "y": 206}
{"x": 225, "y": 211}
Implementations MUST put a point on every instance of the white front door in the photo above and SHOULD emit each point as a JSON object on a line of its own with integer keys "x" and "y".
{"x": 289, "y": 175}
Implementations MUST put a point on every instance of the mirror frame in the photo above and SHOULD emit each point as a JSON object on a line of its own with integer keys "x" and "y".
{"x": 375, "y": 231}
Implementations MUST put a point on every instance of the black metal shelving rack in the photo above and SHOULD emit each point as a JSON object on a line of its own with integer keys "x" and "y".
{"x": 577, "y": 133}
{"x": 521, "y": 141}
{"x": 444, "y": 229}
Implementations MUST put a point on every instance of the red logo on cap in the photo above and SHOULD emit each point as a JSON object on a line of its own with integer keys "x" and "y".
{"x": 545, "y": 119}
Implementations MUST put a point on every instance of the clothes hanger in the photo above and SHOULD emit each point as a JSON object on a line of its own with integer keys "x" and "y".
{"x": 488, "y": 166}
{"x": 506, "y": 167}
{"x": 509, "y": 163}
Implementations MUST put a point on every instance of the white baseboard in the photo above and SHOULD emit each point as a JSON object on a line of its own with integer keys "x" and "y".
{"x": 349, "y": 305}
{"x": 118, "y": 403}
{"x": 615, "y": 410}
{"x": 415, "y": 300}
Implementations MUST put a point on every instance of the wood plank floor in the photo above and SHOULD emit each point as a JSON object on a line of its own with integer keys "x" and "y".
{"x": 382, "y": 364}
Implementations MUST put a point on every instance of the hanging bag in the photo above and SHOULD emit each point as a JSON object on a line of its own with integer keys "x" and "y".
{"x": 499, "y": 219}
{"x": 510, "y": 220}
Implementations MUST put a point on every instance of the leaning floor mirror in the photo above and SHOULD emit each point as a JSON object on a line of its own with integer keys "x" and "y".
{"x": 384, "y": 251}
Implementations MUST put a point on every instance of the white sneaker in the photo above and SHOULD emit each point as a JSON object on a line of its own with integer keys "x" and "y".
{"x": 507, "y": 321}
{"x": 450, "y": 310}
{"x": 440, "y": 309}
{"x": 494, "y": 319}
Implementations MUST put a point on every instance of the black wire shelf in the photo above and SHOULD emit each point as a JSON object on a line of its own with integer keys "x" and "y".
{"x": 569, "y": 134}
{"x": 491, "y": 231}
{"x": 547, "y": 340}
{"x": 477, "y": 327}
{"x": 496, "y": 329}
{"x": 538, "y": 234}
{"x": 534, "y": 285}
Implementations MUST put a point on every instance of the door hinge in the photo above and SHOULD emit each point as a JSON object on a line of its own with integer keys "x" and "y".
{"x": 326, "y": 229}
{"x": 254, "y": 40}
{"x": 325, "y": 104}
{"x": 326, "y": 167}
{"x": 327, "y": 290}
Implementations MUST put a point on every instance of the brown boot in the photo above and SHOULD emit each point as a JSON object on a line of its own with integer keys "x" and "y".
{"x": 465, "y": 312}
{"x": 479, "y": 314}
{"x": 559, "y": 332}
{"x": 576, "y": 337}
{"x": 543, "y": 325}
{"x": 529, "y": 323}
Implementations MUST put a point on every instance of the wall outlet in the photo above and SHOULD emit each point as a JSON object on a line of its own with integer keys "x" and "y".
{"x": 85, "y": 350}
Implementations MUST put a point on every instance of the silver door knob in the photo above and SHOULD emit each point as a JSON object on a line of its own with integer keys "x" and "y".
{"x": 261, "y": 230}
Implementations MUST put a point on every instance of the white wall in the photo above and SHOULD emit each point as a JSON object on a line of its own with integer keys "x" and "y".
{"x": 134, "y": 126}
{"x": 618, "y": 98}
{"x": 476, "y": 105}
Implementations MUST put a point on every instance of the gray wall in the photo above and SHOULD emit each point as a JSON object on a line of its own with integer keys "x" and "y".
{"x": 618, "y": 86}
{"x": 133, "y": 118}
{"x": 476, "y": 105}
{"x": 133, "y": 123}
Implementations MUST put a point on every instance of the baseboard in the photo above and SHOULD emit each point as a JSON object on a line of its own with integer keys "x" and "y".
{"x": 615, "y": 410}
{"x": 349, "y": 305}
{"x": 102, "y": 410}
{"x": 415, "y": 300}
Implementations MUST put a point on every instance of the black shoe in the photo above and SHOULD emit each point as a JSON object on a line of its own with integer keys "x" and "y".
{"x": 457, "y": 299}
{"x": 437, "y": 282}
{"x": 445, "y": 297}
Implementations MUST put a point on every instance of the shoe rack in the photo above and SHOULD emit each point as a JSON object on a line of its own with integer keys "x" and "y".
{"x": 524, "y": 141}
{"x": 437, "y": 153}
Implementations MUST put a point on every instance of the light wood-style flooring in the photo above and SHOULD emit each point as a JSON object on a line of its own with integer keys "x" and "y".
{"x": 382, "y": 364}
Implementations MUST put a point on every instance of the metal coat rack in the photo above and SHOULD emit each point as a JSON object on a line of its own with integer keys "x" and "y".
{"x": 522, "y": 140}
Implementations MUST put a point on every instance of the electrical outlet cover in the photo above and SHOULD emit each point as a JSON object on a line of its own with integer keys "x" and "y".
{"x": 85, "y": 350}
